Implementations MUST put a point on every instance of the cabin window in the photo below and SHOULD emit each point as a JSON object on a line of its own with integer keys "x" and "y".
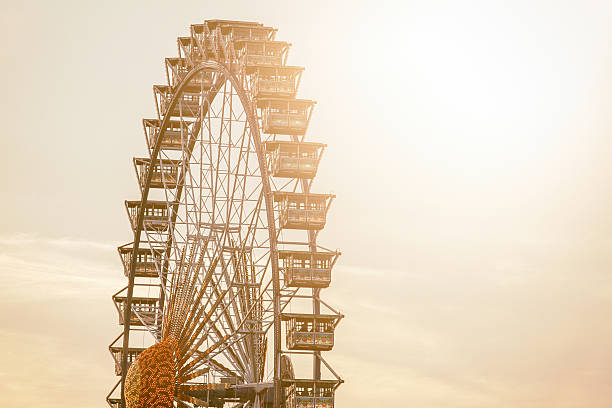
{"x": 324, "y": 326}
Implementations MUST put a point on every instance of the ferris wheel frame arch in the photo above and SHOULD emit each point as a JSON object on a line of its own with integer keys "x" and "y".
{"x": 268, "y": 199}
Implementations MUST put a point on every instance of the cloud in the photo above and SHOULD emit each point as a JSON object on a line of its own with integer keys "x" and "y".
{"x": 58, "y": 320}
{"x": 503, "y": 331}
{"x": 499, "y": 331}
{"x": 54, "y": 268}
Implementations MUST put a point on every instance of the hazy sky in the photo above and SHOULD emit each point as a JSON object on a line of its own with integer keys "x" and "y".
{"x": 469, "y": 146}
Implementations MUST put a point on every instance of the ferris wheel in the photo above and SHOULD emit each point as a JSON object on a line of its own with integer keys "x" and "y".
{"x": 223, "y": 302}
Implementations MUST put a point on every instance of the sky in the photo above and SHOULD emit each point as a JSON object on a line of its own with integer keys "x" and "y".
{"x": 469, "y": 148}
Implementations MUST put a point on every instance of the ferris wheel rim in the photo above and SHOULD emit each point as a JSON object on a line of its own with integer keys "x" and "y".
{"x": 154, "y": 153}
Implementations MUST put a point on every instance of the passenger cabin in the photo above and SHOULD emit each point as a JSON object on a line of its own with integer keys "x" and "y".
{"x": 172, "y": 137}
{"x": 165, "y": 172}
{"x": 285, "y": 116}
{"x": 148, "y": 261}
{"x": 145, "y": 310}
{"x": 294, "y": 159}
{"x": 202, "y": 81}
{"x": 276, "y": 81}
{"x": 187, "y": 106}
{"x": 156, "y": 214}
{"x": 301, "y": 210}
{"x": 213, "y": 24}
{"x": 188, "y": 49}
{"x": 305, "y": 393}
{"x": 254, "y": 53}
{"x": 113, "y": 399}
{"x": 227, "y": 32}
{"x": 114, "y": 402}
{"x": 117, "y": 353}
{"x": 206, "y": 39}
{"x": 245, "y": 32}
{"x": 307, "y": 269}
{"x": 309, "y": 331}
{"x": 177, "y": 69}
